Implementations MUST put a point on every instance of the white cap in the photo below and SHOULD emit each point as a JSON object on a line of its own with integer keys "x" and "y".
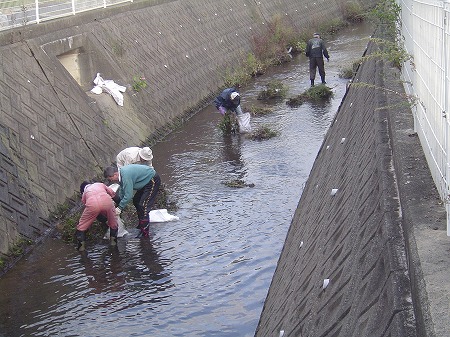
{"x": 234, "y": 94}
{"x": 146, "y": 153}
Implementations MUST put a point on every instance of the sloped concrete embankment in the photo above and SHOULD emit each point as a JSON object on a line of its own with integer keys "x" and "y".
{"x": 347, "y": 229}
{"x": 55, "y": 133}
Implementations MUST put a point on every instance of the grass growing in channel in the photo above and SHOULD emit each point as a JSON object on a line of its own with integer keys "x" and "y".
{"x": 277, "y": 44}
{"x": 317, "y": 93}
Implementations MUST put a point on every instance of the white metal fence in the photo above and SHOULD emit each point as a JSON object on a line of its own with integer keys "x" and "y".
{"x": 426, "y": 32}
{"x": 16, "y": 13}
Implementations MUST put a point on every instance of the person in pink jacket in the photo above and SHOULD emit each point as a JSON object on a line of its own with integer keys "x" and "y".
{"x": 98, "y": 200}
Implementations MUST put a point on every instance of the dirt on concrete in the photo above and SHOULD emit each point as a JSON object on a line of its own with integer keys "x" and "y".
{"x": 425, "y": 223}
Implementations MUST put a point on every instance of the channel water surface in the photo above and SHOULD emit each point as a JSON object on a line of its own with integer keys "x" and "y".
{"x": 208, "y": 273}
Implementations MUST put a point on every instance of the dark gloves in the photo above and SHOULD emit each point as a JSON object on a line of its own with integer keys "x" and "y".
{"x": 116, "y": 199}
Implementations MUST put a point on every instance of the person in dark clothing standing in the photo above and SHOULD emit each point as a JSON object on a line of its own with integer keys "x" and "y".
{"x": 315, "y": 50}
{"x": 139, "y": 183}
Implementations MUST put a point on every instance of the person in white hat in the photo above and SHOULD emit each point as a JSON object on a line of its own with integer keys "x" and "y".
{"x": 135, "y": 155}
{"x": 229, "y": 99}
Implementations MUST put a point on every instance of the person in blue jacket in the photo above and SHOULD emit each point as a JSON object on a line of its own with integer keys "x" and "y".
{"x": 316, "y": 50}
{"x": 139, "y": 183}
{"x": 229, "y": 99}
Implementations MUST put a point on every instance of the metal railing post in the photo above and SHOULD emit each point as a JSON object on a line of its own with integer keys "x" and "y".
{"x": 446, "y": 112}
{"x": 36, "y": 6}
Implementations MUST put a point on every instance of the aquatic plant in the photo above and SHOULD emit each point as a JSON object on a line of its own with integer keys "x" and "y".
{"x": 274, "y": 89}
{"x": 228, "y": 124}
{"x": 259, "y": 110}
{"x": 317, "y": 93}
{"x": 237, "y": 183}
{"x": 262, "y": 133}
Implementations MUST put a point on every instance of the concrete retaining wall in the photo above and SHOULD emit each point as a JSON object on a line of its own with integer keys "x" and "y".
{"x": 55, "y": 133}
{"x": 353, "y": 237}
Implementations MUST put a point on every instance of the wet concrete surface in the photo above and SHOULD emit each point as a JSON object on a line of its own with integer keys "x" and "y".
{"x": 208, "y": 273}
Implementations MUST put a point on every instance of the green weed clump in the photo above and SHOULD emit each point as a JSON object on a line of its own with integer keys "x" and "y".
{"x": 228, "y": 124}
{"x": 262, "y": 133}
{"x": 237, "y": 184}
{"x": 387, "y": 15}
{"x": 274, "y": 89}
{"x": 314, "y": 94}
{"x": 273, "y": 46}
{"x": 259, "y": 110}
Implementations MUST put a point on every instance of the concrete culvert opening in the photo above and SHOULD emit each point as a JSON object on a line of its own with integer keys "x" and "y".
{"x": 78, "y": 63}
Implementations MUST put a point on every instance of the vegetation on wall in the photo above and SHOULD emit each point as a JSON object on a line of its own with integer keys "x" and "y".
{"x": 139, "y": 83}
{"x": 19, "y": 248}
{"x": 386, "y": 16}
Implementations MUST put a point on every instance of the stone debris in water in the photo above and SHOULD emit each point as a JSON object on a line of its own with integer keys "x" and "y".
{"x": 238, "y": 184}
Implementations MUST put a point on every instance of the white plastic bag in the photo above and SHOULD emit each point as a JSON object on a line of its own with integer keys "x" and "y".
{"x": 244, "y": 122}
{"x": 112, "y": 88}
{"x": 121, "y": 230}
{"x": 161, "y": 215}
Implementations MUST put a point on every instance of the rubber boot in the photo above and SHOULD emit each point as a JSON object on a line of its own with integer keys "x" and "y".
{"x": 144, "y": 228}
{"x": 323, "y": 80}
{"x": 113, "y": 236}
{"x": 312, "y": 83}
{"x": 81, "y": 240}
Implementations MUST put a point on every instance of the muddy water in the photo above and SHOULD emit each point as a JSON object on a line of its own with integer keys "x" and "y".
{"x": 208, "y": 273}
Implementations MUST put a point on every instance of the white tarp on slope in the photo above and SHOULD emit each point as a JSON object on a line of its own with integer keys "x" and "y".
{"x": 110, "y": 87}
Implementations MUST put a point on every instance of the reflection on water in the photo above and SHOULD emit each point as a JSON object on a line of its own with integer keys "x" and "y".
{"x": 208, "y": 273}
